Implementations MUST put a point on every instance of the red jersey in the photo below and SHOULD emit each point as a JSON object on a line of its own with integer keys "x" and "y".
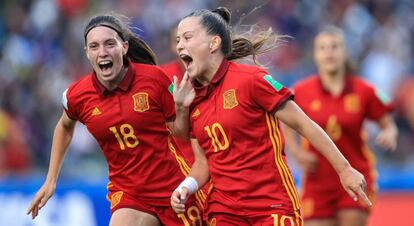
{"x": 342, "y": 118}
{"x": 129, "y": 124}
{"x": 233, "y": 120}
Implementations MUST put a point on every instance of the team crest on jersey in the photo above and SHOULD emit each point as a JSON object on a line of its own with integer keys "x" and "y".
{"x": 352, "y": 103}
{"x": 230, "y": 99}
{"x": 141, "y": 102}
{"x": 116, "y": 198}
{"x": 196, "y": 113}
{"x": 315, "y": 105}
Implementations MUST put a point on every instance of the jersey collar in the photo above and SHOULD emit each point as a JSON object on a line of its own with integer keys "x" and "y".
{"x": 347, "y": 88}
{"x": 203, "y": 91}
{"x": 221, "y": 71}
{"x": 123, "y": 85}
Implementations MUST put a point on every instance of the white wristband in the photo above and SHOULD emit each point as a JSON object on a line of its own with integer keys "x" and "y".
{"x": 190, "y": 183}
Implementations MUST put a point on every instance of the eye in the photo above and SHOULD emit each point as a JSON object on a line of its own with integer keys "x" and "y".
{"x": 92, "y": 46}
{"x": 110, "y": 44}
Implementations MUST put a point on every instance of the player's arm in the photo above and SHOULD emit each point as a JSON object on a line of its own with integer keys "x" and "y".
{"x": 353, "y": 181}
{"x": 197, "y": 178}
{"x": 305, "y": 159}
{"x": 61, "y": 139}
{"x": 387, "y": 138}
{"x": 184, "y": 95}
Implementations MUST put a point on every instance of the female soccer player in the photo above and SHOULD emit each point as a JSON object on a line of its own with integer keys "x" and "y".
{"x": 126, "y": 105}
{"x": 234, "y": 122}
{"x": 339, "y": 102}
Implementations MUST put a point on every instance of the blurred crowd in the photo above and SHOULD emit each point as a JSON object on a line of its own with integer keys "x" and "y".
{"x": 41, "y": 53}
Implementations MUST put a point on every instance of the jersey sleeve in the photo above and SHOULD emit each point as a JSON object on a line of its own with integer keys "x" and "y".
{"x": 268, "y": 93}
{"x": 68, "y": 105}
{"x": 167, "y": 100}
{"x": 378, "y": 103}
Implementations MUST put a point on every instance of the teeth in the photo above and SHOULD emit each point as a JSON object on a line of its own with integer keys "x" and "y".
{"x": 104, "y": 62}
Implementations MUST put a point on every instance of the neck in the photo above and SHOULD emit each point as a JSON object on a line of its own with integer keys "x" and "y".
{"x": 212, "y": 68}
{"x": 333, "y": 82}
{"x": 111, "y": 85}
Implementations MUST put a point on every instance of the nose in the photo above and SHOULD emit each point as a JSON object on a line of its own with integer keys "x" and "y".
{"x": 102, "y": 51}
{"x": 179, "y": 46}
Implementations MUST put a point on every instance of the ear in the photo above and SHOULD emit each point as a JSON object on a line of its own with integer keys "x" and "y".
{"x": 86, "y": 52}
{"x": 125, "y": 47}
{"x": 215, "y": 43}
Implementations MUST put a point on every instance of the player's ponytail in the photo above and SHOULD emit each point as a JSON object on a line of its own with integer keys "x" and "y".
{"x": 217, "y": 22}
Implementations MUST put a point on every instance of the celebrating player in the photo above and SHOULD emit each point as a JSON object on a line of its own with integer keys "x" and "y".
{"x": 236, "y": 136}
{"x": 126, "y": 106}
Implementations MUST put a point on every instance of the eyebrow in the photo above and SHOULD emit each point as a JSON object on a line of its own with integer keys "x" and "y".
{"x": 185, "y": 33}
{"x": 106, "y": 40}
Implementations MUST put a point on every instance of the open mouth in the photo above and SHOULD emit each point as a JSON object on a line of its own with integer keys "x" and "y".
{"x": 105, "y": 65}
{"x": 186, "y": 59}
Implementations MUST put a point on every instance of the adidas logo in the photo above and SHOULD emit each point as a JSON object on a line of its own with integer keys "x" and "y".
{"x": 96, "y": 111}
{"x": 196, "y": 113}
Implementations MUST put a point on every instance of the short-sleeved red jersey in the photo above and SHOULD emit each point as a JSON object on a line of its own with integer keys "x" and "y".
{"x": 342, "y": 118}
{"x": 233, "y": 120}
{"x": 129, "y": 124}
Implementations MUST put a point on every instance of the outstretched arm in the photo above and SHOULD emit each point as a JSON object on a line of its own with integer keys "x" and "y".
{"x": 61, "y": 140}
{"x": 353, "y": 181}
{"x": 306, "y": 160}
{"x": 197, "y": 178}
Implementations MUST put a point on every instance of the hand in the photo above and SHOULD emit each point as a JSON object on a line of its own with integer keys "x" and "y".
{"x": 40, "y": 199}
{"x": 307, "y": 161}
{"x": 178, "y": 200}
{"x": 354, "y": 182}
{"x": 387, "y": 139}
{"x": 183, "y": 93}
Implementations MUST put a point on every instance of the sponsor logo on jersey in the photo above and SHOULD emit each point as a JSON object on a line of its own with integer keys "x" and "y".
{"x": 352, "y": 103}
{"x": 273, "y": 82}
{"x": 96, "y": 111}
{"x": 230, "y": 99}
{"x": 116, "y": 198}
{"x": 141, "y": 103}
{"x": 196, "y": 113}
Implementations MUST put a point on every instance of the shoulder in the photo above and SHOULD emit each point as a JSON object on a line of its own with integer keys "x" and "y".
{"x": 309, "y": 81}
{"x": 245, "y": 74}
{"x": 360, "y": 82}
{"x": 80, "y": 87}
{"x": 151, "y": 72}
{"x": 244, "y": 69}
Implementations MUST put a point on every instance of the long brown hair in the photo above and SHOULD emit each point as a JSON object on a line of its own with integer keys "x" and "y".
{"x": 138, "y": 51}
{"x": 217, "y": 22}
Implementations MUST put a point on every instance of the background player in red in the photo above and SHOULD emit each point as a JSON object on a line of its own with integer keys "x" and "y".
{"x": 126, "y": 105}
{"x": 339, "y": 102}
{"x": 235, "y": 129}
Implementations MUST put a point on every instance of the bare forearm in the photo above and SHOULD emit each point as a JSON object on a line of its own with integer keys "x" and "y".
{"x": 295, "y": 118}
{"x": 61, "y": 139}
{"x": 291, "y": 139}
{"x": 181, "y": 125}
{"x": 199, "y": 171}
{"x": 321, "y": 141}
